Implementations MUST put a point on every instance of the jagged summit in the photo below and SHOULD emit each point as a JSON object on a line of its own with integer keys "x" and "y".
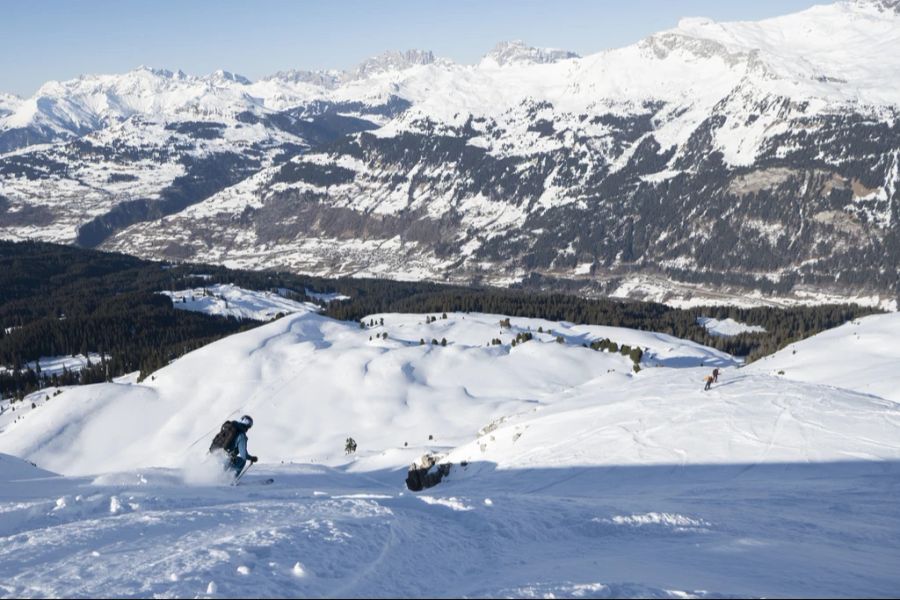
{"x": 393, "y": 61}
{"x": 326, "y": 79}
{"x": 164, "y": 73}
{"x": 222, "y": 76}
{"x": 517, "y": 52}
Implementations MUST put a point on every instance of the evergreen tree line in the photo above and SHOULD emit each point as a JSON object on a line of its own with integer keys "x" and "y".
{"x": 61, "y": 300}
{"x": 783, "y": 325}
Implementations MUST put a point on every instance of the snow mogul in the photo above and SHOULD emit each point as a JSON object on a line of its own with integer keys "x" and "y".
{"x": 232, "y": 440}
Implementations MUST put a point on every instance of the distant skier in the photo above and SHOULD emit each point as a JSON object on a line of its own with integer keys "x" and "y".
{"x": 232, "y": 439}
{"x": 716, "y": 375}
{"x": 709, "y": 381}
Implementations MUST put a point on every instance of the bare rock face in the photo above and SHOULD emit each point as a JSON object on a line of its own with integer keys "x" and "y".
{"x": 426, "y": 472}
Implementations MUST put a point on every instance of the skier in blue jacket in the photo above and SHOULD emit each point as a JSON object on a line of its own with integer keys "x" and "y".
{"x": 238, "y": 454}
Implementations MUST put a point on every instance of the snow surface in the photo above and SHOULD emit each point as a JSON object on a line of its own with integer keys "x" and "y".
{"x": 581, "y": 478}
{"x": 862, "y": 355}
{"x": 225, "y": 299}
{"x": 727, "y": 327}
{"x": 56, "y": 365}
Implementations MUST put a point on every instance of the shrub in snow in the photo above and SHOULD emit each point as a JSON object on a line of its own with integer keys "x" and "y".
{"x": 636, "y": 355}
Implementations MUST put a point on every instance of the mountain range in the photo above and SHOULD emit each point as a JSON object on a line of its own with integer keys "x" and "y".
{"x": 728, "y": 162}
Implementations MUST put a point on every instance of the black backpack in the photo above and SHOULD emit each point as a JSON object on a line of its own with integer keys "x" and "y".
{"x": 226, "y": 438}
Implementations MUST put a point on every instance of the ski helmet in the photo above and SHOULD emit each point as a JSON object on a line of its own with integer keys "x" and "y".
{"x": 247, "y": 420}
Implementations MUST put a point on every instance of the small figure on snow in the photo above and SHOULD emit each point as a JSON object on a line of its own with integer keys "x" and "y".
{"x": 709, "y": 382}
{"x": 716, "y": 375}
{"x": 232, "y": 439}
{"x": 350, "y": 446}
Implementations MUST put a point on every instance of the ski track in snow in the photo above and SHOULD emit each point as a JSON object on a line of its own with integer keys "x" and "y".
{"x": 793, "y": 530}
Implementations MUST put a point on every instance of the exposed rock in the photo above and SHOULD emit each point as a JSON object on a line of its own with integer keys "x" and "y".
{"x": 426, "y": 472}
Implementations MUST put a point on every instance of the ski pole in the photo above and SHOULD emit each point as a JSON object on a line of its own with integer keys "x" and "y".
{"x": 238, "y": 478}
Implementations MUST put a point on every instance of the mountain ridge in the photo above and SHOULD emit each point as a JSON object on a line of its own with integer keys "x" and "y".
{"x": 743, "y": 157}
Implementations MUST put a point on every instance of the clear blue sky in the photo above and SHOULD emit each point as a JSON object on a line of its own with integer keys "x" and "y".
{"x": 60, "y": 39}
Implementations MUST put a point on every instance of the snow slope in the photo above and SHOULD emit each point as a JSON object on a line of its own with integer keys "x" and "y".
{"x": 316, "y": 381}
{"x": 225, "y": 299}
{"x": 56, "y": 365}
{"x": 573, "y": 476}
{"x": 727, "y": 327}
{"x": 16, "y": 469}
{"x": 773, "y": 530}
{"x": 863, "y": 355}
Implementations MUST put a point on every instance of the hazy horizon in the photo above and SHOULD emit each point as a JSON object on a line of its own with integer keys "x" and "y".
{"x": 56, "y": 40}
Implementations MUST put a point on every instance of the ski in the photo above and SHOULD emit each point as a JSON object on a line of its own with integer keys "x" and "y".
{"x": 267, "y": 481}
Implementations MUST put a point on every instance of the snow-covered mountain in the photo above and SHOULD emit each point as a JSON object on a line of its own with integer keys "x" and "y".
{"x": 748, "y": 158}
{"x": 518, "y": 52}
{"x": 571, "y": 472}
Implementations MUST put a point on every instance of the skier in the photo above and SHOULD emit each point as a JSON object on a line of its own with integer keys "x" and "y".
{"x": 716, "y": 375}
{"x": 709, "y": 381}
{"x": 233, "y": 440}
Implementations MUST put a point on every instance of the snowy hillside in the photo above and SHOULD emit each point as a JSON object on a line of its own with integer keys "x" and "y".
{"x": 230, "y": 300}
{"x": 317, "y": 381}
{"x": 863, "y": 355}
{"x": 571, "y": 472}
{"x": 16, "y": 469}
{"x": 56, "y": 365}
{"x": 727, "y": 327}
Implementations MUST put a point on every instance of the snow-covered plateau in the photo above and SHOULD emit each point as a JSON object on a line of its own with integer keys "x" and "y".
{"x": 57, "y": 365}
{"x": 573, "y": 474}
{"x": 229, "y": 300}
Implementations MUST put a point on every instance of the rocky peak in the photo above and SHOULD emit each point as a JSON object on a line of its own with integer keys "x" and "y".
{"x": 518, "y": 52}
{"x": 325, "y": 79}
{"x": 222, "y": 76}
{"x": 393, "y": 61}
